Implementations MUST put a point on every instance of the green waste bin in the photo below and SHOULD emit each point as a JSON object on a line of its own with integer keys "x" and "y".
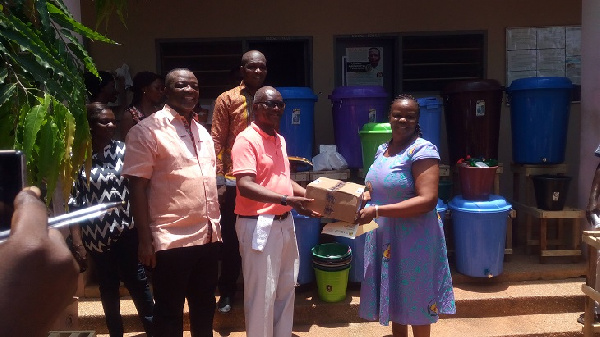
{"x": 371, "y": 136}
{"x": 331, "y": 262}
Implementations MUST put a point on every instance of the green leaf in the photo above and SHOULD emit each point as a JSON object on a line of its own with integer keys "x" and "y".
{"x": 65, "y": 21}
{"x": 33, "y": 123}
{"x": 40, "y": 6}
{"x": 3, "y": 74}
{"x": 29, "y": 41}
{"x": 6, "y": 92}
{"x": 80, "y": 52}
{"x": 7, "y": 126}
{"x": 50, "y": 155}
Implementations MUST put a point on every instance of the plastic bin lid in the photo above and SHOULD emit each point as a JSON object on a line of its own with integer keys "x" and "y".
{"x": 297, "y": 93}
{"x": 366, "y": 91}
{"x": 424, "y": 102}
{"x": 495, "y": 204}
{"x": 472, "y": 85}
{"x": 540, "y": 83}
{"x": 296, "y": 215}
{"x": 441, "y": 206}
{"x": 376, "y": 128}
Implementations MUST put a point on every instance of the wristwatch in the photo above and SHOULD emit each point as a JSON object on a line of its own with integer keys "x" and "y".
{"x": 284, "y": 200}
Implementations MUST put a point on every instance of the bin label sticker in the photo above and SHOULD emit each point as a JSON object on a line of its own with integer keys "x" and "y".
{"x": 296, "y": 116}
{"x": 555, "y": 196}
{"x": 372, "y": 115}
{"x": 480, "y": 108}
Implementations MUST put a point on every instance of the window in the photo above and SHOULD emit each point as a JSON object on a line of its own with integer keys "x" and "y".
{"x": 216, "y": 62}
{"x": 430, "y": 62}
{"x": 417, "y": 62}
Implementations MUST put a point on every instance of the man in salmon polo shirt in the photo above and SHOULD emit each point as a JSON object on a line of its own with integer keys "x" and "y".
{"x": 265, "y": 228}
{"x": 170, "y": 162}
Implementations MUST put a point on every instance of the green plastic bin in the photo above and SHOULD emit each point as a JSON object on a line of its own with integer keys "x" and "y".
{"x": 331, "y": 262}
{"x": 371, "y": 136}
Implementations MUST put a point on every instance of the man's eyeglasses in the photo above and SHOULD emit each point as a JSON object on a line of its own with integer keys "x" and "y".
{"x": 272, "y": 104}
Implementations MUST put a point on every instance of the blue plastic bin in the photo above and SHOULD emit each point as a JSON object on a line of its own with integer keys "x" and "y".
{"x": 297, "y": 123}
{"x": 357, "y": 266}
{"x": 539, "y": 110}
{"x": 430, "y": 111}
{"x": 307, "y": 236}
{"x": 479, "y": 235}
{"x": 441, "y": 208}
{"x": 353, "y": 107}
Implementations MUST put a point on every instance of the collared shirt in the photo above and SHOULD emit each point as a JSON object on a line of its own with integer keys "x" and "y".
{"x": 231, "y": 115}
{"x": 265, "y": 156}
{"x": 106, "y": 185}
{"x": 182, "y": 194}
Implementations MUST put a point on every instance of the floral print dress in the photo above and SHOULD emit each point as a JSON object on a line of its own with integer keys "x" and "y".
{"x": 406, "y": 274}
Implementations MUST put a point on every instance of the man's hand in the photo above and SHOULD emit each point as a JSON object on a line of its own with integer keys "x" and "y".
{"x": 146, "y": 253}
{"x": 300, "y": 203}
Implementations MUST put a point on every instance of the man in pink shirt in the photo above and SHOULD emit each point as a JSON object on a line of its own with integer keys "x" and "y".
{"x": 264, "y": 226}
{"x": 170, "y": 162}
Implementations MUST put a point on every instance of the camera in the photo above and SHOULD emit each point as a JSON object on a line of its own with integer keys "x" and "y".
{"x": 12, "y": 180}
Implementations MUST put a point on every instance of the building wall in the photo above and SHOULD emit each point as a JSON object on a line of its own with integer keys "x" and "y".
{"x": 149, "y": 20}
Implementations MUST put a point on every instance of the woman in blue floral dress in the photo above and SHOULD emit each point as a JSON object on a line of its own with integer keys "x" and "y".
{"x": 406, "y": 279}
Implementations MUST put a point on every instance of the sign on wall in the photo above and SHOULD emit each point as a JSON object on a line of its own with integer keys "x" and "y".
{"x": 363, "y": 66}
{"x": 543, "y": 51}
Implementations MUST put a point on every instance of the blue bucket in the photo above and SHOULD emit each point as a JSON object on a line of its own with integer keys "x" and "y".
{"x": 441, "y": 209}
{"x": 307, "y": 236}
{"x": 352, "y": 108}
{"x": 297, "y": 123}
{"x": 430, "y": 111}
{"x": 539, "y": 110}
{"x": 357, "y": 266}
{"x": 479, "y": 235}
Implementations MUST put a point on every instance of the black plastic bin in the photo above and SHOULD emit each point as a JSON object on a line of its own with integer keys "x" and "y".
{"x": 551, "y": 191}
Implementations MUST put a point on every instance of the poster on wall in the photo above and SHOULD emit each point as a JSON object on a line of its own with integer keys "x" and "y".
{"x": 544, "y": 52}
{"x": 363, "y": 66}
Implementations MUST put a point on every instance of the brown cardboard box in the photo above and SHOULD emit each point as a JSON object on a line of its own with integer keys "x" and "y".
{"x": 335, "y": 198}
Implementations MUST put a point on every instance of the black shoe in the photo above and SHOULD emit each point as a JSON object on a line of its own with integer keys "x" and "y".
{"x": 224, "y": 304}
{"x": 581, "y": 318}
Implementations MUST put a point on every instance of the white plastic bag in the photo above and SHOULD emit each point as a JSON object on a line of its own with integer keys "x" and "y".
{"x": 330, "y": 160}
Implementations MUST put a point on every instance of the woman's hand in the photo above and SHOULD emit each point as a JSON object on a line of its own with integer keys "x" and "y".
{"x": 366, "y": 215}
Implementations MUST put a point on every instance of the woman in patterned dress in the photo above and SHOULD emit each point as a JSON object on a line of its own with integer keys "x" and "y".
{"x": 406, "y": 278}
{"x": 111, "y": 240}
{"x": 148, "y": 97}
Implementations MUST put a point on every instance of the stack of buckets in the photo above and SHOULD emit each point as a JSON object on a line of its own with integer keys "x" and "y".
{"x": 331, "y": 262}
{"x": 539, "y": 108}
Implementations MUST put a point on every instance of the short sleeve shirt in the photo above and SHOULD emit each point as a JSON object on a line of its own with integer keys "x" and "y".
{"x": 182, "y": 193}
{"x": 258, "y": 153}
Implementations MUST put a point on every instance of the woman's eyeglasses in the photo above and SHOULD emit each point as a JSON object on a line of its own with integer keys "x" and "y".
{"x": 272, "y": 104}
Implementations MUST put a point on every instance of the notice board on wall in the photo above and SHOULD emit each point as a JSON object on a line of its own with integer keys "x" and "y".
{"x": 544, "y": 51}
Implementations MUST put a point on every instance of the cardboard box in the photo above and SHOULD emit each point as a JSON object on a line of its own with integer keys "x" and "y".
{"x": 348, "y": 230}
{"x": 335, "y": 198}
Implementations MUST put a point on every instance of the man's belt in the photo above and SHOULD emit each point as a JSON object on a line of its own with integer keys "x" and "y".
{"x": 277, "y": 217}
